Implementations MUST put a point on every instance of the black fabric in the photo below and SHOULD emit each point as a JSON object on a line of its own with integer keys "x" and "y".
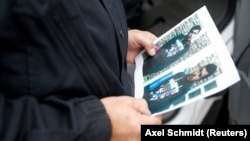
{"x": 57, "y": 58}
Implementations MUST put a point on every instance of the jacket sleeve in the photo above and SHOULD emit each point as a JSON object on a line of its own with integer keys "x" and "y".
{"x": 53, "y": 118}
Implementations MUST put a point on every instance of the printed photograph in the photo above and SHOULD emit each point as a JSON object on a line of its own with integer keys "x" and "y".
{"x": 171, "y": 49}
{"x": 191, "y": 62}
{"x": 175, "y": 88}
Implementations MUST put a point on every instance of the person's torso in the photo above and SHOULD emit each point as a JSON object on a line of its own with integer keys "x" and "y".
{"x": 62, "y": 47}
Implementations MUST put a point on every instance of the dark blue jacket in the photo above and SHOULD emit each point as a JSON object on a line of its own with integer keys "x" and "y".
{"x": 57, "y": 59}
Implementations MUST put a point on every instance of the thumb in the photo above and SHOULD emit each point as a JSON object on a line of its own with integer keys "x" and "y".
{"x": 149, "y": 38}
{"x": 141, "y": 106}
{"x": 151, "y": 119}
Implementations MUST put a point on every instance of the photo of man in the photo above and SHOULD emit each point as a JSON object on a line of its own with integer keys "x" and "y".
{"x": 172, "y": 88}
{"x": 170, "y": 52}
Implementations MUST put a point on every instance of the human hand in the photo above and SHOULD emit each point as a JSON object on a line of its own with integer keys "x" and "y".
{"x": 127, "y": 114}
{"x": 137, "y": 41}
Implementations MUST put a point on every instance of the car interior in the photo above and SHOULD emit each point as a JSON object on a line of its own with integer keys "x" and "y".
{"x": 231, "y": 19}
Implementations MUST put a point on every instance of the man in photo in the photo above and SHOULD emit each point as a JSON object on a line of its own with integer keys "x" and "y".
{"x": 172, "y": 89}
{"x": 170, "y": 52}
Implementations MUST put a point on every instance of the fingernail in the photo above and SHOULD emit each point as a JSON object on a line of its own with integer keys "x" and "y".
{"x": 152, "y": 51}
